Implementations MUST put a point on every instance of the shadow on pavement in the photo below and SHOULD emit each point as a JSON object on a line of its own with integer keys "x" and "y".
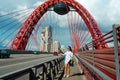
{"x": 77, "y": 74}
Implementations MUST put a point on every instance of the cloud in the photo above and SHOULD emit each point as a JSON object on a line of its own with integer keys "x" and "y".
{"x": 114, "y": 14}
{"x": 64, "y": 36}
{"x": 24, "y": 6}
{"x": 21, "y": 7}
{"x": 106, "y": 12}
{"x": 38, "y": 3}
{"x": 56, "y": 19}
{"x": 25, "y": 13}
{"x": 111, "y": 44}
{"x": 3, "y": 12}
{"x": 62, "y": 21}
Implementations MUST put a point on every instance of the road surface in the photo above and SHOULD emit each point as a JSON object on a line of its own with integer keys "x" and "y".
{"x": 19, "y": 61}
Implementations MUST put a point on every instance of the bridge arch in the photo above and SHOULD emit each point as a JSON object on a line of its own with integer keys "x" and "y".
{"x": 20, "y": 40}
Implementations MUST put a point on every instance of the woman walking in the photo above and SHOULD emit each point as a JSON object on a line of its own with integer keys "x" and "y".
{"x": 68, "y": 57}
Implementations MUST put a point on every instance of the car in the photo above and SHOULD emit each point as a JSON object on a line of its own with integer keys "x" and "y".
{"x": 55, "y": 53}
{"x": 4, "y": 53}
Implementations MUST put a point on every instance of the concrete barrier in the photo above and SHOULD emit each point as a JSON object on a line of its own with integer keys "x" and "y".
{"x": 42, "y": 71}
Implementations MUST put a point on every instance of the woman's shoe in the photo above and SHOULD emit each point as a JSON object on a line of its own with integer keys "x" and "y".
{"x": 68, "y": 75}
{"x": 64, "y": 75}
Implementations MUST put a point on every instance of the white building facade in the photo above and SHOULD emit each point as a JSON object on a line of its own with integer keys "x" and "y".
{"x": 46, "y": 39}
{"x": 56, "y": 46}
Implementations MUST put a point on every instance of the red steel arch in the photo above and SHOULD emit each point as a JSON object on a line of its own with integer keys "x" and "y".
{"x": 21, "y": 38}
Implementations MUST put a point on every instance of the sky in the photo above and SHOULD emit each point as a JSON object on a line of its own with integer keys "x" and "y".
{"x": 105, "y": 12}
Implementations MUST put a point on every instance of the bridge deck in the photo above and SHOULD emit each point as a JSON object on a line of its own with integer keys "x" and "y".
{"x": 75, "y": 73}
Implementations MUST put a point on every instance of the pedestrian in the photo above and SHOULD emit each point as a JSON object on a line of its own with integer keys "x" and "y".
{"x": 68, "y": 58}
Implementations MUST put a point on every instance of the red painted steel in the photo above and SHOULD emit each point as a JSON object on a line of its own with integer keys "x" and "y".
{"x": 103, "y": 59}
{"x": 86, "y": 71}
{"x": 90, "y": 74}
{"x": 108, "y": 71}
{"x": 21, "y": 39}
{"x": 77, "y": 44}
{"x": 104, "y": 39}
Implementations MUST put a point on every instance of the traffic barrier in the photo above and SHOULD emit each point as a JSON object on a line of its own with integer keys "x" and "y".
{"x": 43, "y": 71}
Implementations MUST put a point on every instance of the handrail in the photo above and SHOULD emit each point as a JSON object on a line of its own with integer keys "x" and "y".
{"x": 107, "y": 60}
{"x": 106, "y": 38}
{"x": 49, "y": 67}
{"x": 101, "y": 74}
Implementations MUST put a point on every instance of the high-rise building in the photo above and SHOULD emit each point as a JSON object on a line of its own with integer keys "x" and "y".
{"x": 46, "y": 39}
{"x": 63, "y": 49}
{"x": 56, "y": 46}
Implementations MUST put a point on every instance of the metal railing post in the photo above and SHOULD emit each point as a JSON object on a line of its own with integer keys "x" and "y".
{"x": 55, "y": 67}
{"x": 51, "y": 71}
{"x": 116, "y": 51}
{"x": 44, "y": 72}
{"x": 31, "y": 75}
{"x": 54, "y": 72}
{"x": 57, "y": 62}
{"x": 61, "y": 64}
{"x": 93, "y": 53}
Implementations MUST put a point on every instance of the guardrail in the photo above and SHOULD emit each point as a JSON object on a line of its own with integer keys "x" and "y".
{"x": 43, "y": 71}
{"x": 92, "y": 68}
{"x": 106, "y": 60}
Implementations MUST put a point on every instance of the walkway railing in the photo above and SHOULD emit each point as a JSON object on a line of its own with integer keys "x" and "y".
{"x": 102, "y": 64}
{"x": 42, "y": 71}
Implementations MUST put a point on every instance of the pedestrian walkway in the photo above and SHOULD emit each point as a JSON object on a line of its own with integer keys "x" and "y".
{"x": 75, "y": 73}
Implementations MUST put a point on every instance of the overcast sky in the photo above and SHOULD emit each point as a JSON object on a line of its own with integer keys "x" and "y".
{"x": 105, "y": 12}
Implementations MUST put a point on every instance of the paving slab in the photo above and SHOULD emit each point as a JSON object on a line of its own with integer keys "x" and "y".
{"x": 76, "y": 73}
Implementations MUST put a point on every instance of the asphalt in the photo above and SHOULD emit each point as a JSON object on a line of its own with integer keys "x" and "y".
{"x": 21, "y": 61}
{"x": 19, "y": 58}
{"x": 16, "y": 62}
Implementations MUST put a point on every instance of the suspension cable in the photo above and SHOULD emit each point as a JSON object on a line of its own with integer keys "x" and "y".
{"x": 17, "y": 28}
{"x": 29, "y": 44}
{"x": 22, "y": 19}
{"x": 34, "y": 36}
{"x": 11, "y": 17}
{"x": 9, "y": 30}
{"x": 12, "y": 21}
{"x": 14, "y": 12}
{"x": 69, "y": 24}
{"x": 78, "y": 29}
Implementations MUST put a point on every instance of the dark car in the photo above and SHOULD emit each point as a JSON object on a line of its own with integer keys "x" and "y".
{"x": 55, "y": 53}
{"x": 4, "y": 53}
